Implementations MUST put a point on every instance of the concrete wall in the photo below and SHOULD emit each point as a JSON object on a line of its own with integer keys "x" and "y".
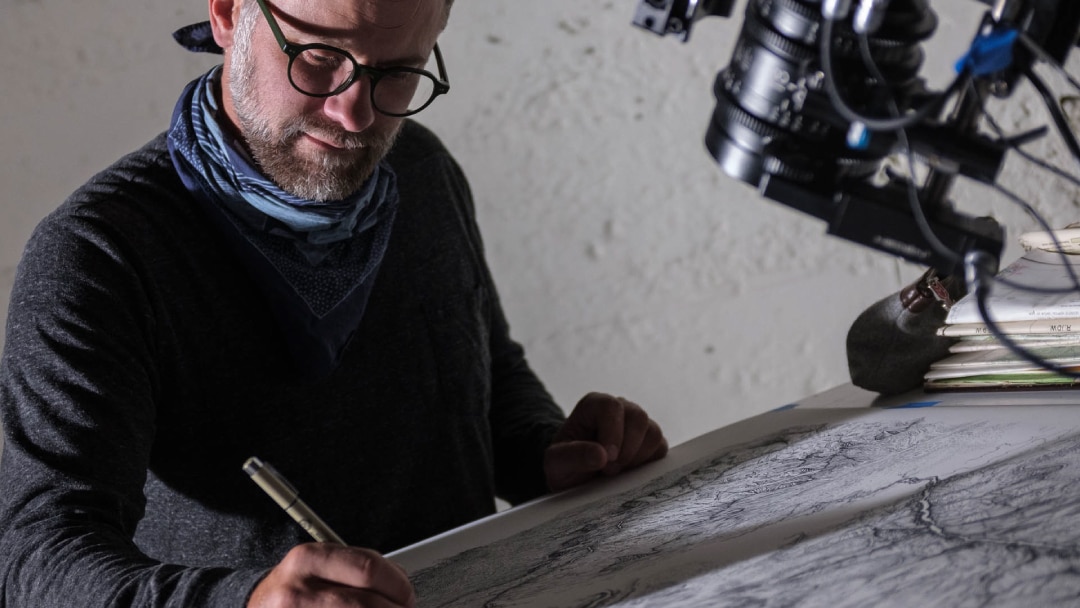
{"x": 627, "y": 262}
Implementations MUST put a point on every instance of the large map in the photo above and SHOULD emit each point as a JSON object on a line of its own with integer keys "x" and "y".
{"x": 949, "y": 507}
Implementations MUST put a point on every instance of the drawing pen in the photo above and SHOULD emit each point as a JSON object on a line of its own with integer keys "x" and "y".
{"x": 286, "y": 495}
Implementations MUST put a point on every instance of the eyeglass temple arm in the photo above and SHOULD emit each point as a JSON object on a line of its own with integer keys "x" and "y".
{"x": 444, "y": 80}
{"x": 280, "y": 37}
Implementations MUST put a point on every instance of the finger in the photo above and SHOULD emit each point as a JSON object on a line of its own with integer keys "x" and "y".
{"x": 332, "y": 594}
{"x": 367, "y": 569}
{"x": 653, "y": 446}
{"x": 570, "y": 463}
{"x": 353, "y": 567}
{"x": 597, "y": 417}
{"x": 635, "y": 426}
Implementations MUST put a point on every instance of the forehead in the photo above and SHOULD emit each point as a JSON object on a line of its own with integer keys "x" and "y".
{"x": 391, "y": 14}
{"x": 376, "y": 21}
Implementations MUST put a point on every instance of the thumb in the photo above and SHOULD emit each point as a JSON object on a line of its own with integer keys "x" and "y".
{"x": 569, "y": 463}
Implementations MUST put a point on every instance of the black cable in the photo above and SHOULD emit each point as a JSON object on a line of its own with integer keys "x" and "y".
{"x": 1031, "y": 211}
{"x": 1056, "y": 114}
{"x": 982, "y": 290}
{"x": 983, "y": 282}
{"x": 1015, "y": 198}
{"x": 1031, "y": 158}
{"x": 1042, "y": 164}
{"x": 984, "y": 277}
{"x": 874, "y": 124}
{"x": 913, "y": 192}
{"x": 1043, "y": 56}
{"x": 914, "y": 203}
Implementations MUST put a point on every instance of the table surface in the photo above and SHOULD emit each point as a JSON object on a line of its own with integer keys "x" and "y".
{"x": 841, "y": 499}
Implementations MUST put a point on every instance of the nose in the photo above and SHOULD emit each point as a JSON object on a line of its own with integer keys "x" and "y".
{"x": 352, "y": 108}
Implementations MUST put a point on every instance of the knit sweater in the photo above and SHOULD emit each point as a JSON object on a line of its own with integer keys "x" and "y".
{"x": 143, "y": 366}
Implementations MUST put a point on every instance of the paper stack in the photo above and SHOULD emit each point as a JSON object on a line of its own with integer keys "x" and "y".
{"x": 1039, "y": 311}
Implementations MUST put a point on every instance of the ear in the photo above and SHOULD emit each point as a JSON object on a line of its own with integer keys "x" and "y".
{"x": 224, "y": 15}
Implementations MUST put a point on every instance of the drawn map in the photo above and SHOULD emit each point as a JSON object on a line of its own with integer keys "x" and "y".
{"x": 949, "y": 507}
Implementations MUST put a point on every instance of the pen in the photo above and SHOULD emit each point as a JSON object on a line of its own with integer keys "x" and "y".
{"x": 287, "y": 497}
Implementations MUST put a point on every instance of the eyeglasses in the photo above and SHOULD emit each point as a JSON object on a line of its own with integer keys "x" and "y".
{"x": 320, "y": 70}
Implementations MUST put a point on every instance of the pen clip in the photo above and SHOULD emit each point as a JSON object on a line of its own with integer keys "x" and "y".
{"x": 288, "y": 498}
{"x": 271, "y": 471}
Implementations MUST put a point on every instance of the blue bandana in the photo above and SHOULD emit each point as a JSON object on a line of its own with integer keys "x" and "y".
{"x": 230, "y": 174}
{"x": 315, "y": 262}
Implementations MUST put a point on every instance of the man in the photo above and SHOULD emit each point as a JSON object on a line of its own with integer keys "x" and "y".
{"x": 291, "y": 271}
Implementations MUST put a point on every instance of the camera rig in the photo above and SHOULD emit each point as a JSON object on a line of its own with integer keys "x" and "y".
{"x": 819, "y": 93}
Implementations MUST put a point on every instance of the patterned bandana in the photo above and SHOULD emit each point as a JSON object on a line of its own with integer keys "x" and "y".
{"x": 230, "y": 174}
{"x": 316, "y": 262}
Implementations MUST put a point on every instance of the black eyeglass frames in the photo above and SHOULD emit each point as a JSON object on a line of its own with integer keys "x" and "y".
{"x": 321, "y": 70}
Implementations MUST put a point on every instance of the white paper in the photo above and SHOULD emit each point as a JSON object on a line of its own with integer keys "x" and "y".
{"x": 827, "y": 507}
{"x": 1038, "y": 269}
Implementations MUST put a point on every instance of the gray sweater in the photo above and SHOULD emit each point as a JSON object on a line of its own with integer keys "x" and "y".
{"x": 142, "y": 367}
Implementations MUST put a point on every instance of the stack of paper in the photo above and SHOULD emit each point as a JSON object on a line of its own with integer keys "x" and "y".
{"x": 1038, "y": 311}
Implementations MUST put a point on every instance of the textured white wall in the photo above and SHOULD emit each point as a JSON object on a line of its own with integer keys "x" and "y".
{"x": 626, "y": 261}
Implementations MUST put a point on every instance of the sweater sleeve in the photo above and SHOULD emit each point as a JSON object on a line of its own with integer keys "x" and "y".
{"x": 523, "y": 417}
{"x": 77, "y": 402}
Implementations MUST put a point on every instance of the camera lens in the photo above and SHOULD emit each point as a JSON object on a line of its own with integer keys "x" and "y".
{"x": 773, "y": 115}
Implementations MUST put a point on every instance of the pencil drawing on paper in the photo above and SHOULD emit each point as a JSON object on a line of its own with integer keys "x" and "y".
{"x": 896, "y": 511}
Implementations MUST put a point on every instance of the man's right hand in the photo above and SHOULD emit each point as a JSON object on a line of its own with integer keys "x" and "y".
{"x": 324, "y": 574}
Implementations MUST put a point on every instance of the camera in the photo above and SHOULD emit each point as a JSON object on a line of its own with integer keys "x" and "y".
{"x": 819, "y": 93}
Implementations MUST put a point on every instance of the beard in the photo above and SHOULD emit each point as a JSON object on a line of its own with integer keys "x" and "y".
{"x": 319, "y": 175}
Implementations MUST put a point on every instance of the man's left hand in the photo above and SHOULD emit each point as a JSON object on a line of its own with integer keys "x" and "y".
{"x": 602, "y": 436}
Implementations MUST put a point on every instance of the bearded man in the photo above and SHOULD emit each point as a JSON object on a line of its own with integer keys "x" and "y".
{"x": 292, "y": 271}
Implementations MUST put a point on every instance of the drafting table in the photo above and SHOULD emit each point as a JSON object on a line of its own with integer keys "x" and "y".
{"x": 840, "y": 500}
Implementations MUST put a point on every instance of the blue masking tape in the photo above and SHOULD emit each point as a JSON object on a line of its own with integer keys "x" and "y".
{"x": 913, "y": 405}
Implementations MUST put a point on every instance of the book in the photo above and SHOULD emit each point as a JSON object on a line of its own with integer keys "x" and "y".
{"x": 1039, "y": 311}
{"x": 1019, "y": 381}
{"x": 1001, "y": 361}
{"x": 1036, "y": 326}
{"x": 987, "y": 342}
{"x": 1035, "y": 270}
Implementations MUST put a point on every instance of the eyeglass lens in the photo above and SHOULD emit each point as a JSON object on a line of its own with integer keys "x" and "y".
{"x": 321, "y": 71}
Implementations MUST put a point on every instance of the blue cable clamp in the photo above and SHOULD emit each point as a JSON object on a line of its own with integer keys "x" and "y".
{"x": 989, "y": 53}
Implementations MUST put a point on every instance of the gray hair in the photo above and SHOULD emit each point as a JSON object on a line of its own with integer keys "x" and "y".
{"x": 446, "y": 13}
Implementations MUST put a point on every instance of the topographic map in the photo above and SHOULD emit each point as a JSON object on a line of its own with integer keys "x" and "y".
{"x": 942, "y": 507}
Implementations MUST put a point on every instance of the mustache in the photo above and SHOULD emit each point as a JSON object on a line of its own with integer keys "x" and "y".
{"x": 328, "y": 132}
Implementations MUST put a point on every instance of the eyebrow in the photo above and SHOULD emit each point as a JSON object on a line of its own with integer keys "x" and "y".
{"x": 331, "y": 37}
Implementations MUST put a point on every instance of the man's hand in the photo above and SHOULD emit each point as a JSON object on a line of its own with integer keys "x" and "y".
{"x": 324, "y": 574}
{"x": 603, "y": 436}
